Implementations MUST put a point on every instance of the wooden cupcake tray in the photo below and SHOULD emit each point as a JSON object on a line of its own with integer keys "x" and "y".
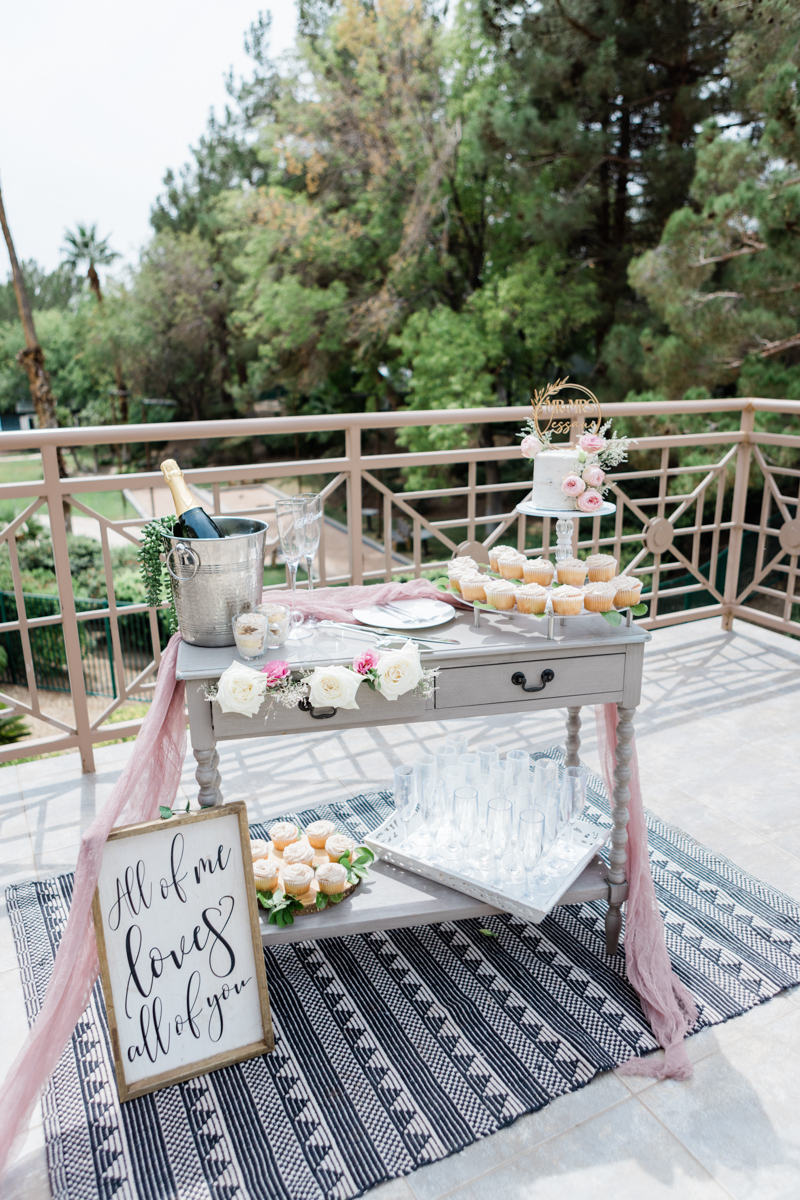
{"x": 307, "y": 899}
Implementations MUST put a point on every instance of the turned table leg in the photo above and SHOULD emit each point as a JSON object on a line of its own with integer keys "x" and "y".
{"x": 203, "y": 747}
{"x": 619, "y": 832}
{"x": 573, "y": 737}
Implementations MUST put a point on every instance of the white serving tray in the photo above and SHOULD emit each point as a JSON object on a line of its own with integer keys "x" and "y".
{"x": 385, "y": 842}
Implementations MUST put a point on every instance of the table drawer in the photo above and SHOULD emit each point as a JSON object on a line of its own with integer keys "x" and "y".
{"x": 578, "y": 678}
{"x": 373, "y": 709}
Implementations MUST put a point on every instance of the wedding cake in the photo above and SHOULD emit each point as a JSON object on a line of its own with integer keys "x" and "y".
{"x": 550, "y": 468}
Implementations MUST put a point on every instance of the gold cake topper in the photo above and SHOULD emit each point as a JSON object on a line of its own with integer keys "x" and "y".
{"x": 563, "y": 413}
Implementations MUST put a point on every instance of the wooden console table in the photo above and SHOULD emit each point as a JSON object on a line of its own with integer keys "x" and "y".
{"x": 591, "y": 663}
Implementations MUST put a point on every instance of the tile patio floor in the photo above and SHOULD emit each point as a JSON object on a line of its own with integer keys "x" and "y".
{"x": 718, "y": 737}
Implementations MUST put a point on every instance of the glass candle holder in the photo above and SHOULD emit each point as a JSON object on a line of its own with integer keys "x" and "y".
{"x": 278, "y": 622}
{"x": 250, "y": 634}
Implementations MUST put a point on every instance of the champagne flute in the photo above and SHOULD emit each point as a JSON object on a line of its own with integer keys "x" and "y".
{"x": 405, "y": 801}
{"x": 424, "y": 782}
{"x": 286, "y": 512}
{"x": 531, "y": 840}
{"x": 309, "y": 538}
{"x": 575, "y": 783}
{"x": 465, "y": 811}
{"x": 499, "y": 821}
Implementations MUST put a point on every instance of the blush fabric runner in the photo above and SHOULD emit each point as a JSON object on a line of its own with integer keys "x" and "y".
{"x": 151, "y": 780}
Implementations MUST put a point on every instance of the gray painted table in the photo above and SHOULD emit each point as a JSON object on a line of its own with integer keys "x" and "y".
{"x": 591, "y": 663}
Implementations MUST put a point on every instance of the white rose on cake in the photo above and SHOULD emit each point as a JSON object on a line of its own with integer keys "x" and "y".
{"x": 333, "y": 687}
{"x": 399, "y": 671}
{"x": 241, "y": 690}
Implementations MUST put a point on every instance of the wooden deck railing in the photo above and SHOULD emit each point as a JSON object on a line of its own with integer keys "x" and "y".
{"x": 685, "y": 520}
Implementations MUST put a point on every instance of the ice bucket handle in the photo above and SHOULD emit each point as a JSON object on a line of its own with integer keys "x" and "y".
{"x": 186, "y": 553}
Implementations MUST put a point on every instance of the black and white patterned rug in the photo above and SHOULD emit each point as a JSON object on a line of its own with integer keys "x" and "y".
{"x": 397, "y": 1048}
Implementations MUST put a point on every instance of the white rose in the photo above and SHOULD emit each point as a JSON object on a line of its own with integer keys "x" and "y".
{"x": 240, "y": 690}
{"x": 333, "y": 687}
{"x": 399, "y": 671}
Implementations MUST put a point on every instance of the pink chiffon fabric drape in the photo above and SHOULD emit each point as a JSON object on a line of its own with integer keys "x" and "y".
{"x": 150, "y": 779}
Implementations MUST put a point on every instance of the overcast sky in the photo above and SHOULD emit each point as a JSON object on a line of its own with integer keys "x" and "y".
{"x": 97, "y": 100}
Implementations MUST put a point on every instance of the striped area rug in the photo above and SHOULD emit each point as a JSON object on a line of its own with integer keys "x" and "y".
{"x": 397, "y": 1048}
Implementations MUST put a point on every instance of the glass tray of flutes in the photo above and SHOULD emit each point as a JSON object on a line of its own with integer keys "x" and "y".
{"x": 507, "y": 831}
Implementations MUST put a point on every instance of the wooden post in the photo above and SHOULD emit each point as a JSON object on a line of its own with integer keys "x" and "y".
{"x": 353, "y": 444}
{"x": 740, "y": 486}
{"x": 573, "y": 737}
{"x": 619, "y": 834}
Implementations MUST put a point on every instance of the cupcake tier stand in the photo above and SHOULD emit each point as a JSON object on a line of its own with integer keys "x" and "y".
{"x": 565, "y": 522}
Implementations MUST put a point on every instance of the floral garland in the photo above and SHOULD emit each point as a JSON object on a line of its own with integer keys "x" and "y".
{"x": 242, "y": 690}
{"x": 597, "y": 454}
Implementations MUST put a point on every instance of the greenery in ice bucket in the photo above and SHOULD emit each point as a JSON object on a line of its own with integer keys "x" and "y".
{"x": 155, "y": 576}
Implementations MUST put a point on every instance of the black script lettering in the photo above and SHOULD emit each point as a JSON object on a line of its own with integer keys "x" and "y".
{"x": 175, "y": 859}
{"x": 126, "y": 893}
{"x": 192, "y": 990}
{"x": 206, "y": 864}
{"x": 133, "y": 946}
{"x": 152, "y": 1037}
{"x": 216, "y": 1022}
{"x": 157, "y": 959}
{"x": 218, "y": 938}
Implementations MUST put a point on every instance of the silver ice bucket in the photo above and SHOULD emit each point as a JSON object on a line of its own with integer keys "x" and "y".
{"x": 215, "y": 579}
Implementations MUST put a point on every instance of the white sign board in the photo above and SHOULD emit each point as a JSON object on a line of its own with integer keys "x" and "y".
{"x": 180, "y": 949}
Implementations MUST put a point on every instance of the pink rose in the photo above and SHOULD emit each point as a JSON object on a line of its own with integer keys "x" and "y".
{"x": 530, "y": 446}
{"x": 573, "y": 485}
{"x": 590, "y": 501}
{"x": 593, "y": 477}
{"x": 591, "y": 443}
{"x": 366, "y": 661}
{"x": 276, "y": 671}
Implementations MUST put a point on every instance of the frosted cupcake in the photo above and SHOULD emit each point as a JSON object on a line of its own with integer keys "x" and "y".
{"x": 465, "y": 562}
{"x": 501, "y": 594}
{"x": 538, "y": 570}
{"x": 510, "y": 565}
{"x": 265, "y": 874}
{"x": 495, "y": 553}
{"x": 297, "y": 878}
{"x": 567, "y": 601}
{"x": 283, "y": 833}
{"x": 318, "y": 833}
{"x": 601, "y": 567}
{"x": 473, "y": 586}
{"x": 532, "y": 598}
{"x": 571, "y": 571}
{"x": 599, "y": 597}
{"x": 332, "y": 878}
{"x": 458, "y": 568}
{"x": 337, "y": 845}
{"x": 259, "y": 848}
{"x": 627, "y": 591}
{"x": 299, "y": 852}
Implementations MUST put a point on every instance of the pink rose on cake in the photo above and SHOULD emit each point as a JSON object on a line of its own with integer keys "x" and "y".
{"x": 573, "y": 485}
{"x": 590, "y": 501}
{"x": 275, "y": 671}
{"x": 530, "y": 446}
{"x": 591, "y": 443}
{"x": 366, "y": 661}
{"x": 593, "y": 477}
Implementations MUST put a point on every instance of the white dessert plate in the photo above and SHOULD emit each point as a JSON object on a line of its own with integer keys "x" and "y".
{"x": 406, "y": 615}
{"x": 528, "y": 509}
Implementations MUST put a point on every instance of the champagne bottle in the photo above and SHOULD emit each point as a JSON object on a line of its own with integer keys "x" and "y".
{"x": 193, "y": 521}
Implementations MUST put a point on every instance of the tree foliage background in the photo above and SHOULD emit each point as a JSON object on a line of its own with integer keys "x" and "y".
{"x": 445, "y": 210}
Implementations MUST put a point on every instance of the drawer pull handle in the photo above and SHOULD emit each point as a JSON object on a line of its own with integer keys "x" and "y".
{"x": 305, "y": 705}
{"x": 546, "y": 677}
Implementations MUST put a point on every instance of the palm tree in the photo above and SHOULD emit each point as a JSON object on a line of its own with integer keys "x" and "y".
{"x": 85, "y": 247}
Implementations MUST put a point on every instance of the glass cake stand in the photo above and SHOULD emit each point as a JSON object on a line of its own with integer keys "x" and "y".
{"x": 565, "y": 522}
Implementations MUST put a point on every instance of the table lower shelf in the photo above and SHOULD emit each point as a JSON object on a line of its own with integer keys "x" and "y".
{"x": 392, "y": 898}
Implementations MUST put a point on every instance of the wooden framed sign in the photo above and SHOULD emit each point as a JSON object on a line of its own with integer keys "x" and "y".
{"x": 179, "y": 942}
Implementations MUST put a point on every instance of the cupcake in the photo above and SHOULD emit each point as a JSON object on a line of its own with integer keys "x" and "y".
{"x": 532, "y": 598}
{"x": 299, "y": 852}
{"x": 473, "y": 585}
{"x": 510, "y": 565}
{"x": 599, "y": 597}
{"x": 283, "y": 833}
{"x": 501, "y": 594}
{"x": 454, "y": 574}
{"x": 465, "y": 562}
{"x": 571, "y": 571}
{"x": 265, "y": 874}
{"x": 627, "y": 591}
{"x": 259, "y": 848}
{"x": 601, "y": 567}
{"x": 495, "y": 553}
{"x": 538, "y": 570}
{"x": 332, "y": 878}
{"x": 318, "y": 833}
{"x": 567, "y": 601}
{"x": 297, "y": 878}
{"x": 337, "y": 845}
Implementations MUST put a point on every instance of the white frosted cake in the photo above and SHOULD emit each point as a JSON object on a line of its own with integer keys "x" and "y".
{"x": 549, "y": 470}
